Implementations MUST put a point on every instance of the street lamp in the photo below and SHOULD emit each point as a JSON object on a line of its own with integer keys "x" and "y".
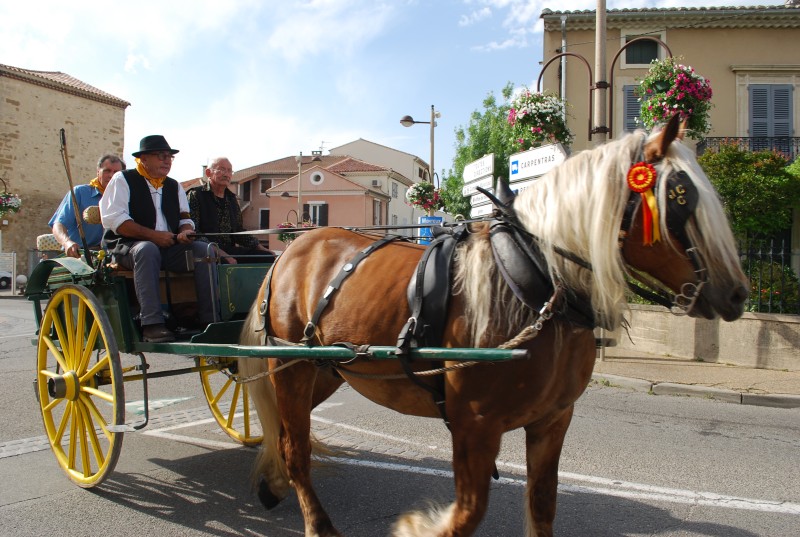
{"x": 407, "y": 121}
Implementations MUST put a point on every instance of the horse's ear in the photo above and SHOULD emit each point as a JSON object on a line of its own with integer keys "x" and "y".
{"x": 504, "y": 193}
{"x": 657, "y": 148}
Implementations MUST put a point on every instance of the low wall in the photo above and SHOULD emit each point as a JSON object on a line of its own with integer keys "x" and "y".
{"x": 759, "y": 340}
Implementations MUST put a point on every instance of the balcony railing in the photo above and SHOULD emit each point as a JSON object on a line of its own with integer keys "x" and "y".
{"x": 789, "y": 146}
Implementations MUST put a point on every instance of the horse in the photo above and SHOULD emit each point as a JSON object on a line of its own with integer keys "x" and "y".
{"x": 557, "y": 262}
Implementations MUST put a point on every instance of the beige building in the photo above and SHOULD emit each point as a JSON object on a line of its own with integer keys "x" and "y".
{"x": 748, "y": 53}
{"x": 34, "y": 107}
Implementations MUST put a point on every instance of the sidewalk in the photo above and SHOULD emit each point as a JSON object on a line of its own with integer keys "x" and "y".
{"x": 673, "y": 376}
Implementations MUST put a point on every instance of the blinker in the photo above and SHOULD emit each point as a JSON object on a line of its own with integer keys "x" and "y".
{"x": 682, "y": 198}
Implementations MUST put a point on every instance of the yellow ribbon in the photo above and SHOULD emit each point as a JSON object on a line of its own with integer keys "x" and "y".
{"x": 155, "y": 181}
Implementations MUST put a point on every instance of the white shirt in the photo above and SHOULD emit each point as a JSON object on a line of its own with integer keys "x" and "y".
{"x": 116, "y": 200}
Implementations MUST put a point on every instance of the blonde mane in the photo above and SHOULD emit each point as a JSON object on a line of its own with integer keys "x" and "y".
{"x": 578, "y": 207}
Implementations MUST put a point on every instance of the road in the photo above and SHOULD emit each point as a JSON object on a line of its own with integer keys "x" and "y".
{"x": 633, "y": 464}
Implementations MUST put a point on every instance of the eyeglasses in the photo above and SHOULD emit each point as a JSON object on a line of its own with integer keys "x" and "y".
{"x": 163, "y": 155}
{"x": 222, "y": 170}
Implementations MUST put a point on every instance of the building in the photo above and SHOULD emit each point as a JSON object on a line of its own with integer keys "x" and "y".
{"x": 748, "y": 53}
{"x": 34, "y": 107}
{"x": 335, "y": 190}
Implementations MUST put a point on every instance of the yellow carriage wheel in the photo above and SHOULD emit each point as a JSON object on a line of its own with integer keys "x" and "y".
{"x": 79, "y": 385}
{"x": 229, "y": 401}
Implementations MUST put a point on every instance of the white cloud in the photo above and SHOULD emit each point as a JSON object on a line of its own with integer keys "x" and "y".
{"x": 475, "y": 16}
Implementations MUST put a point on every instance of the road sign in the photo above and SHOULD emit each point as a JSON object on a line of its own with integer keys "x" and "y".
{"x": 479, "y": 199}
{"x": 472, "y": 188}
{"x": 519, "y": 186}
{"x": 479, "y": 169}
{"x": 426, "y": 233}
{"x": 481, "y": 210}
{"x": 535, "y": 162}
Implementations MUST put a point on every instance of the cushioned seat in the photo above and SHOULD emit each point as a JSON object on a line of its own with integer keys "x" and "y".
{"x": 47, "y": 243}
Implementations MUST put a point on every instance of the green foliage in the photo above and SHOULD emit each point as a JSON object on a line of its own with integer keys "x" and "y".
{"x": 756, "y": 189}
{"x": 487, "y": 132}
{"x": 773, "y": 288}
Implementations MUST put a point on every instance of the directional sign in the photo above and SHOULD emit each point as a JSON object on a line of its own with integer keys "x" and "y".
{"x": 472, "y": 188}
{"x": 519, "y": 186}
{"x": 478, "y": 169}
{"x": 479, "y": 199}
{"x": 481, "y": 210}
{"x": 535, "y": 162}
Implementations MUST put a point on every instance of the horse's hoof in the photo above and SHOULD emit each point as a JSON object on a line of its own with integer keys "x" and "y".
{"x": 265, "y": 495}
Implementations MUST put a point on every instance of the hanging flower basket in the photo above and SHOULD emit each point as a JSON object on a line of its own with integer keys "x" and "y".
{"x": 9, "y": 203}
{"x": 671, "y": 88}
{"x": 423, "y": 196}
{"x": 538, "y": 119}
{"x": 288, "y": 237}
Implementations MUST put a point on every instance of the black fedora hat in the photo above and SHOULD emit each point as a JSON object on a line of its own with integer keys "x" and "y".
{"x": 152, "y": 144}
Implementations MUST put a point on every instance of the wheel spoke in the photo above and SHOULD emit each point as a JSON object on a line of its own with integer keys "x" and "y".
{"x": 65, "y": 420}
{"x": 52, "y": 404}
{"x": 99, "y": 366}
{"x": 222, "y": 391}
{"x": 107, "y": 397}
{"x": 83, "y": 429}
{"x": 68, "y": 345}
{"x": 73, "y": 434}
{"x": 99, "y": 418}
{"x": 92, "y": 434}
{"x": 234, "y": 402}
{"x": 91, "y": 341}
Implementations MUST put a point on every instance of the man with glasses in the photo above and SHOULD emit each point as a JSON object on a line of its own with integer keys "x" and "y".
{"x": 215, "y": 209}
{"x": 148, "y": 228}
{"x": 63, "y": 222}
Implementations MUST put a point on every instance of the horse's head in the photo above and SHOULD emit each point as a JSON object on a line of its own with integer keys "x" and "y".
{"x": 675, "y": 230}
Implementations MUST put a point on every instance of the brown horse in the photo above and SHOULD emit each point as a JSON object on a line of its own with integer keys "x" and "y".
{"x": 588, "y": 229}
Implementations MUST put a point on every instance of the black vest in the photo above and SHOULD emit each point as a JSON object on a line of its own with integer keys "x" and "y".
{"x": 142, "y": 210}
{"x": 208, "y": 210}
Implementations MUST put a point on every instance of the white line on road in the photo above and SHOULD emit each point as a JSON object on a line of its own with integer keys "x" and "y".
{"x": 606, "y": 487}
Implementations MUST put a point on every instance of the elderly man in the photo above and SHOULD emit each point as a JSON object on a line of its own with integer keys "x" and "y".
{"x": 63, "y": 223}
{"x": 148, "y": 228}
{"x": 215, "y": 209}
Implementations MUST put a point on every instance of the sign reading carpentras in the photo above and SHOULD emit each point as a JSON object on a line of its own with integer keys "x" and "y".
{"x": 534, "y": 162}
{"x": 479, "y": 174}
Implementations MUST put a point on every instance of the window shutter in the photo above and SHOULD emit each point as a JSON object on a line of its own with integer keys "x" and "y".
{"x": 759, "y": 110}
{"x": 323, "y": 215}
{"x": 631, "y": 108}
{"x": 782, "y": 110}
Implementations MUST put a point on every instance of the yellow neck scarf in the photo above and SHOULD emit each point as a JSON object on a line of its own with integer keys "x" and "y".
{"x": 155, "y": 181}
{"x": 95, "y": 182}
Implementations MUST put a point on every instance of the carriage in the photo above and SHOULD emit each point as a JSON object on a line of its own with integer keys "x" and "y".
{"x": 509, "y": 344}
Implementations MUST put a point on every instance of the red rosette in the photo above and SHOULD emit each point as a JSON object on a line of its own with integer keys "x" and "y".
{"x": 641, "y": 177}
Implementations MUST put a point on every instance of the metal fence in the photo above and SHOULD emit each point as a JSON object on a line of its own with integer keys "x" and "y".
{"x": 789, "y": 146}
{"x": 774, "y": 285}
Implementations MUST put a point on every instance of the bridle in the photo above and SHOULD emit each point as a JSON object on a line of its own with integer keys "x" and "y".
{"x": 682, "y": 198}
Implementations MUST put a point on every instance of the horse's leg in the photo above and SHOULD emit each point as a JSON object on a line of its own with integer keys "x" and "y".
{"x": 543, "y": 450}
{"x": 474, "y": 454}
{"x": 294, "y": 390}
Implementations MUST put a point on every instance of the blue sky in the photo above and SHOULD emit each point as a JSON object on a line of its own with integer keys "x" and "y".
{"x": 257, "y": 80}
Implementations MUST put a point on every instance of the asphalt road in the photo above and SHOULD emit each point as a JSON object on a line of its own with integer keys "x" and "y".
{"x": 633, "y": 464}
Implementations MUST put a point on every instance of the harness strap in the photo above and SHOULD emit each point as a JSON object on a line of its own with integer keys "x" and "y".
{"x": 344, "y": 272}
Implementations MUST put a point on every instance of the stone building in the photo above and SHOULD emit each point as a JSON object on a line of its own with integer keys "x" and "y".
{"x": 34, "y": 107}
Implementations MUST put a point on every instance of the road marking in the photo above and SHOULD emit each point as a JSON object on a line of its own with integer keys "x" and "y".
{"x": 32, "y": 334}
{"x": 598, "y": 485}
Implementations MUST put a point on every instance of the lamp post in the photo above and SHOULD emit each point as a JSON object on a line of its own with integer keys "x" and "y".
{"x": 407, "y": 121}
{"x": 299, "y": 160}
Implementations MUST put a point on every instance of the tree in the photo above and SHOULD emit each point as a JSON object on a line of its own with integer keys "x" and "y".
{"x": 488, "y": 132}
{"x": 756, "y": 188}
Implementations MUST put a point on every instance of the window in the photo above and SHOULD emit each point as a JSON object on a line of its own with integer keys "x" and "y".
{"x": 377, "y": 213}
{"x": 770, "y": 116}
{"x": 394, "y": 190}
{"x": 266, "y": 184}
{"x": 641, "y": 53}
{"x": 244, "y": 191}
{"x": 631, "y": 108}
{"x": 317, "y": 213}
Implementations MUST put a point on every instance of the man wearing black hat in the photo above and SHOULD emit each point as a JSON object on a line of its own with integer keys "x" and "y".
{"x": 148, "y": 228}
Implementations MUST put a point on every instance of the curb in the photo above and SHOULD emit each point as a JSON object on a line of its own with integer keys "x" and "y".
{"x": 707, "y": 392}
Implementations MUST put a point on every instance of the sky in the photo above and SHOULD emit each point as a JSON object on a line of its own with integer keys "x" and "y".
{"x": 259, "y": 80}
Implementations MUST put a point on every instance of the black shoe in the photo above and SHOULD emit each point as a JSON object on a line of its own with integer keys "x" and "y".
{"x": 157, "y": 333}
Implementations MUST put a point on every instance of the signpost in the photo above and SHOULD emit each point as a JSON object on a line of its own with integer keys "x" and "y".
{"x": 479, "y": 174}
{"x": 535, "y": 162}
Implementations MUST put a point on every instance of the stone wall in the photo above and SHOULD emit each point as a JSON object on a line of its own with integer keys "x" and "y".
{"x": 30, "y": 157}
{"x": 759, "y": 340}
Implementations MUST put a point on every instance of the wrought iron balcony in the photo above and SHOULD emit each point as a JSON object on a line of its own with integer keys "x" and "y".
{"x": 789, "y": 146}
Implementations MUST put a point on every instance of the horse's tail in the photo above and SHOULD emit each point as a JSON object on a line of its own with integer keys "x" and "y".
{"x": 270, "y": 475}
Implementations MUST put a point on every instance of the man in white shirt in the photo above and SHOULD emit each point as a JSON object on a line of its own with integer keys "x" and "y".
{"x": 148, "y": 228}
